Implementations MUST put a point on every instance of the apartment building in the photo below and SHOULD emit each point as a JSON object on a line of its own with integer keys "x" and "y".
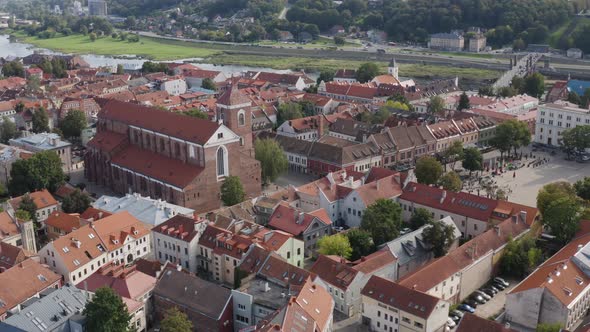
{"x": 554, "y": 118}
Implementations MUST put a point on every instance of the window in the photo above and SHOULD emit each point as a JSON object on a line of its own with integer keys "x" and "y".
{"x": 219, "y": 135}
{"x": 221, "y": 162}
{"x": 241, "y": 118}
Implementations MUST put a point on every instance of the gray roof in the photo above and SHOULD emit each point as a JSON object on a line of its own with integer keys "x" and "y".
{"x": 148, "y": 210}
{"x": 40, "y": 142}
{"x": 202, "y": 296}
{"x": 49, "y": 313}
{"x": 444, "y": 35}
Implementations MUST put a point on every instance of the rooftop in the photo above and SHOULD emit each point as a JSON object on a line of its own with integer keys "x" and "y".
{"x": 41, "y": 141}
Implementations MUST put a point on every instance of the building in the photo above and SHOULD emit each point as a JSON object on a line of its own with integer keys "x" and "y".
{"x": 309, "y": 128}
{"x": 175, "y": 86}
{"x": 34, "y": 72}
{"x": 59, "y": 224}
{"x": 151, "y": 212}
{"x": 207, "y": 305}
{"x": 195, "y": 77}
{"x": 556, "y": 292}
{"x": 308, "y": 227}
{"x": 445, "y": 133}
{"x": 574, "y": 53}
{"x": 19, "y": 233}
{"x": 311, "y": 310}
{"x": 345, "y": 280}
{"x": 119, "y": 238}
{"x": 11, "y": 256}
{"x": 521, "y": 108}
{"x": 554, "y": 118}
{"x": 134, "y": 143}
{"x": 176, "y": 240}
{"x": 54, "y": 310}
{"x": 97, "y": 8}
{"x": 388, "y": 306}
{"x": 477, "y": 43}
{"x": 345, "y": 75}
{"x": 22, "y": 282}
{"x": 447, "y": 42}
{"x": 470, "y": 322}
{"x": 411, "y": 142}
{"x": 44, "y": 201}
{"x": 47, "y": 142}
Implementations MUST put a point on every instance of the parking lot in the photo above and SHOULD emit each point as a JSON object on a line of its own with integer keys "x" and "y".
{"x": 494, "y": 306}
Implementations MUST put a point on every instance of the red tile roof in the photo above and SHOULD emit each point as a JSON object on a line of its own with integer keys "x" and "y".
{"x": 374, "y": 261}
{"x": 8, "y": 226}
{"x": 176, "y": 125}
{"x": 11, "y": 255}
{"x": 333, "y": 271}
{"x": 107, "y": 141}
{"x": 180, "y": 227}
{"x": 406, "y": 299}
{"x": 127, "y": 282}
{"x": 42, "y": 199}
{"x": 292, "y": 221}
{"x": 157, "y": 166}
{"x": 94, "y": 214}
{"x": 64, "y": 222}
{"x": 471, "y": 323}
{"x": 233, "y": 96}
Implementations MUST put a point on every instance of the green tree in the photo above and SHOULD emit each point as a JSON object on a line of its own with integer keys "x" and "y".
{"x": 289, "y": 111}
{"x": 552, "y": 192}
{"x": 92, "y": 36}
{"x": 7, "y": 130}
{"x": 360, "y": 242}
{"x": 273, "y": 161}
{"x": 120, "y": 69}
{"x": 518, "y": 84}
{"x": 453, "y": 153}
{"x": 40, "y": 121}
{"x": 73, "y": 123}
{"x": 22, "y": 215}
{"x": 582, "y": 188}
{"x": 576, "y": 139}
{"x": 106, "y": 312}
{"x": 486, "y": 91}
{"x": 130, "y": 22}
{"x": 208, "y": 84}
{"x": 440, "y": 236}
{"x": 366, "y": 72}
{"x": 548, "y": 327}
{"x": 84, "y": 30}
{"x": 451, "y": 181}
{"x": 232, "y": 191}
{"x": 472, "y": 160}
{"x": 339, "y": 40}
{"x": 195, "y": 113}
{"x": 436, "y": 106}
{"x": 534, "y": 85}
{"x": 573, "y": 97}
{"x": 511, "y": 134}
{"x": 420, "y": 217}
{"x": 13, "y": 68}
{"x": 336, "y": 244}
{"x": 562, "y": 216}
{"x": 428, "y": 170}
{"x": 520, "y": 257}
{"x": 27, "y": 204}
{"x": 326, "y": 75}
{"x": 382, "y": 220}
{"x": 518, "y": 44}
{"x": 175, "y": 321}
{"x": 76, "y": 202}
{"x": 506, "y": 92}
{"x": 33, "y": 85}
{"x": 42, "y": 170}
{"x": 463, "y": 102}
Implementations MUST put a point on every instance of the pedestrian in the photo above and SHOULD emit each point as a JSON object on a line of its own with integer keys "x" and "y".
{"x": 514, "y": 175}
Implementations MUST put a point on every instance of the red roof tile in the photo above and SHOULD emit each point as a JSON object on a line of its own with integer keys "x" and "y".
{"x": 180, "y": 227}
{"x": 107, "y": 141}
{"x": 292, "y": 221}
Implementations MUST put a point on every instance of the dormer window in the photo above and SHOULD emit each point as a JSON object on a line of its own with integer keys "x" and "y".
{"x": 219, "y": 135}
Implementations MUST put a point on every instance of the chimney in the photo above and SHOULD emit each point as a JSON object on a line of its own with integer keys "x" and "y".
{"x": 443, "y": 196}
{"x": 179, "y": 268}
{"x": 321, "y": 126}
{"x": 266, "y": 288}
{"x": 497, "y": 228}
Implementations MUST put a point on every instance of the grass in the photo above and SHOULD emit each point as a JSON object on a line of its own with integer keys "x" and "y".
{"x": 321, "y": 42}
{"x": 459, "y": 54}
{"x": 146, "y": 47}
{"x": 315, "y": 64}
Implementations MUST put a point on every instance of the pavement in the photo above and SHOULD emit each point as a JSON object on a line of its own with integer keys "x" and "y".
{"x": 496, "y": 305}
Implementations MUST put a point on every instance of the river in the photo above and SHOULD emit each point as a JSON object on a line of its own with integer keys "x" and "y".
{"x": 10, "y": 49}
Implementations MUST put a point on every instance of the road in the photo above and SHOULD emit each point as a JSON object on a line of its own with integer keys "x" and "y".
{"x": 283, "y": 14}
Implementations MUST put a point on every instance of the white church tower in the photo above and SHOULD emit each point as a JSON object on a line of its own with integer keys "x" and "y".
{"x": 393, "y": 69}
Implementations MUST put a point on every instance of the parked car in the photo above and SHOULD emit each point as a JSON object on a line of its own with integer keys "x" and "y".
{"x": 457, "y": 313}
{"x": 454, "y": 318}
{"x": 482, "y": 294}
{"x": 488, "y": 291}
{"x": 502, "y": 281}
{"x": 499, "y": 285}
{"x": 451, "y": 323}
{"x": 478, "y": 298}
{"x": 472, "y": 303}
{"x": 466, "y": 307}
{"x": 494, "y": 288}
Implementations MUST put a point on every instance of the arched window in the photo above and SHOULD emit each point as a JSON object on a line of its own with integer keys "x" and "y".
{"x": 222, "y": 162}
{"x": 241, "y": 118}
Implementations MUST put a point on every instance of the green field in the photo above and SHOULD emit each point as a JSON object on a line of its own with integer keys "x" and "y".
{"x": 156, "y": 49}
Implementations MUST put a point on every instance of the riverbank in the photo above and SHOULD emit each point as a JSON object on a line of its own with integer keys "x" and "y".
{"x": 166, "y": 50}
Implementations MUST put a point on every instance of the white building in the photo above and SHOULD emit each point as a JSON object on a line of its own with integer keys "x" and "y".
{"x": 43, "y": 200}
{"x": 118, "y": 238}
{"x": 388, "y": 306}
{"x": 174, "y": 87}
{"x": 554, "y": 118}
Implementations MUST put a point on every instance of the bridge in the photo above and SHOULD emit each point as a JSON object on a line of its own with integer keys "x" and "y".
{"x": 518, "y": 68}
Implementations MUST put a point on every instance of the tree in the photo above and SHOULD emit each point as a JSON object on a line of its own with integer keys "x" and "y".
{"x": 506, "y": 92}
{"x": 548, "y": 327}
{"x": 472, "y": 160}
{"x": 27, "y": 204}
{"x": 13, "y": 68}
{"x": 42, "y": 170}
{"x": 436, "y": 105}
{"x": 92, "y": 36}
{"x": 106, "y": 312}
{"x": 339, "y": 40}
{"x": 511, "y": 134}
{"x": 195, "y": 113}
{"x": 22, "y": 215}
{"x": 534, "y": 85}
{"x": 84, "y": 30}
{"x": 562, "y": 216}
{"x": 382, "y": 220}
{"x": 7, "y": 130}
{"x": 76, "y": 202}
{"x": 366, "y": 72}
{"x": 420, "y": 217}
{"x": 552, "y": 192}
{"x": 208, "y": 84}
{"x": 326, "y": 75}
{"x": 289, "y": 111}
{"x": 517, "y": 83}
{"x": 120, "y": 69}
{"x": 232, "y": 191}
{"x": 130, "y": 22}
{"x": 573, "y": 97}
{"x": 518, "y": 44}
{"x": 40, "y": 121}
{"x": 576, "y": 139}
{"x": 337, "y": 244}
{"x": 273, "y": 161}
{"x": 486, "y": 91}
{"x": 360, "y": 242}
{"x": 73, "y": 123}
{"x": 520, "y": 257}
{"x": 440, "y": 236}
{"x": 463, "y": 102}
{"x": 582, "y": 188}
{"x": 175, "y": 321}
{"x": 33, "y": 85}
{"x": 451, "y": 181}
{"x": 428, "y": 170}
{"x": 453, "y": 153}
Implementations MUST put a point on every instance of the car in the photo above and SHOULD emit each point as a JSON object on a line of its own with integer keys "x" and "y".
{"x": 478, "y": 298}
{"x": 405, "y": 231}
{"x": 502, "y": 281}
{"x": 454, "y": 318}
{"x": 471, "y": 302}
{"x": 499, "y": 286}
{"x": 488, "y": 291}
{"x": 466, "y": 307}
{"x": 457, "y": 313}
{"x": 494, "y": 288}
{"x": 451, "y": 323}
{"x": 483, "y": 295}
